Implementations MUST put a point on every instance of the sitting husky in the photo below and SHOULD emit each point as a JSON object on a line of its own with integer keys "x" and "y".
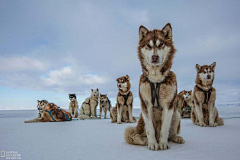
{"x": 184, "y": 103}
{"x": 105, "y": 104}
{"x": 159, "y": 121}
{"x": 41, "y": 106}
{"x": 204, "y": 112}
{"x": 73, "y": 106}
{"x": 122, "y": 112}
{"x": 52, "y": 113}
{"x": 89, "y": 106}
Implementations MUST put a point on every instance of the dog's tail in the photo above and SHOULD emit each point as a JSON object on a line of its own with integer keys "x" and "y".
{"x": 34, "y": 120}
{"x": 132, "y": 137}
{"x": 82, "y": 116}
{"x": 220, "y": 121}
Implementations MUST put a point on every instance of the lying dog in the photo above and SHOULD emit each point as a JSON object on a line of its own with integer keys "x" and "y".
{"x": 159, "y": 120}
{"x": 123, "y": 108}
{"x": 105, "y": 105}
{"x": 89, "y": 106}
{"x": 204, "y": 112}
{"x": 52, "y": 113}
{"x": 184, "y": 103}
{"x": 73, "y": 106}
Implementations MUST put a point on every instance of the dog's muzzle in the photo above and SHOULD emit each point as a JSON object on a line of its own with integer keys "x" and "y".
{"x": 155, "y": 59}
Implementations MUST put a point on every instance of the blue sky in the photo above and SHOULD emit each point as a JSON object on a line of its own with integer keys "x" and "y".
{"x": 52, "y": 48}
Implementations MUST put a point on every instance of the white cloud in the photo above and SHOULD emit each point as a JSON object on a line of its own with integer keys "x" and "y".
{"x": 67, "y": 76}
{"x": 21, "y": 64}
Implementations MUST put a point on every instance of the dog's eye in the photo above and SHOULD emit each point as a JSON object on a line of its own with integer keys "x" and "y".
{"x": 161, "y": 44}
{"x": 149, "y": 46}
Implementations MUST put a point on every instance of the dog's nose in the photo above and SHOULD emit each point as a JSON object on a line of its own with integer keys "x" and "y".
{"x": 155, "y": 58}
{"x": 208, "y": 76}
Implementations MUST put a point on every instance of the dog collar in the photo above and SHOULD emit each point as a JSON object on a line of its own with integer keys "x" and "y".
{"x": 207, "y": 94}
{"x": 155, "y": 93}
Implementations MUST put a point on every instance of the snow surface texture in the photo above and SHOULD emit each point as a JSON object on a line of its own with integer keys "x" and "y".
{"x": 100, "y": 139}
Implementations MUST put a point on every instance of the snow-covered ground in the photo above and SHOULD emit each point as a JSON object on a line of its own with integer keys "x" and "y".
{"x": 100, "y": 139}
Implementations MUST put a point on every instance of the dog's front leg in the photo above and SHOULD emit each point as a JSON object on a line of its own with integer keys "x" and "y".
{"x": 211, "y": 114}
{"x": 166, "y": 122}
{"x": 100, "y": 114}
{"x": 130, "y": 113}
{"x": 200, "y": 115}
{"x": 150, "y": 131}
{"x": 105, "y": 113}
{"x": 119, "y": 113}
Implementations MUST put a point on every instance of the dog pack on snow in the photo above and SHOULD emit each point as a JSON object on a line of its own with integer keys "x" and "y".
{"x": 162, "y": 107}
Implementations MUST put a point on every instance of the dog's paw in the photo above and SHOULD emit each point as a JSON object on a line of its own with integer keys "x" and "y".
{"x": 163, "y": 146}
{"x": 202, "y": 124}
{"x": 177, "y": 139}
{"x": 153, "y": 146}
{"x": 132, "y": 121}
{"x": 213, "y": 125}
{"x": 119, "y": 122}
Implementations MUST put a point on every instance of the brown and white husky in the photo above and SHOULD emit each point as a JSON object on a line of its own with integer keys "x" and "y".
{"x": 122, "y": 112}
{"x": 105, "y": 105}
{"x": 184, "y": 103}
{"x": 204, "y": 112}
{"x": 159, "y": 120}
{"x": 73, "y": 106}
{"x": 52, "y": 113}
{"x": 89, "y": 106}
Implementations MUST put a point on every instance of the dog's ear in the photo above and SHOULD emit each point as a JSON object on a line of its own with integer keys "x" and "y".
{"x": 92, "y": 90}
{"x": 198, "y": 67}
{"x": 213, "y": 65}
{"x": 117, "y": 79}
{"x": 97, "y": 89}
{"x": 100, "y": 95}
{"x": 142, "y": 32}
{"x": 191, "y": 91}
{"x": 167, "y": 31}
{"x": 127, "y": 77}
{"x": 38, "y": 101}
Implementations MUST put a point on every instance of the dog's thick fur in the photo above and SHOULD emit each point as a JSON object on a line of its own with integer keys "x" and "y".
{"x": 89, "y": 106}
{"x": 155, "y": 126}
{"x": 41, "y": 106}
{"x": 184, "y": 103}
{"x": 57, "y": 113}
{"x": 122, "y": 112}
{"x": 105, "y": 105}
{"x": 73, "y": 106}
{"x": 204, "y": 113}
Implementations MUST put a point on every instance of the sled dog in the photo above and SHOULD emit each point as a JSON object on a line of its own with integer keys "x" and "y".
{"x": 41, "y": 106}
{"x": 204, "y": 112}
{"x": 159, "y": 120}
{"x": 89, "y": 106}
{"x": 52, "y": 113}
{"x": 124, "y": 102}
{"x": 105, "y": 105}
{"x": 184, "y": 103}
{"x": 73, "y": 106}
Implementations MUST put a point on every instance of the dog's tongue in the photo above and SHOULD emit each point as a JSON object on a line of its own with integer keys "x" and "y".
{"x": 155, "y": 59}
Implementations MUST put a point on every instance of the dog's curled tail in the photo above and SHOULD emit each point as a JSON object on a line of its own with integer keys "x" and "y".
{"x": 132, "y": 137}
{"x": 82, "y": 116}
{"x": 34, "y": 120}
{"x": 220, "y": 121}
